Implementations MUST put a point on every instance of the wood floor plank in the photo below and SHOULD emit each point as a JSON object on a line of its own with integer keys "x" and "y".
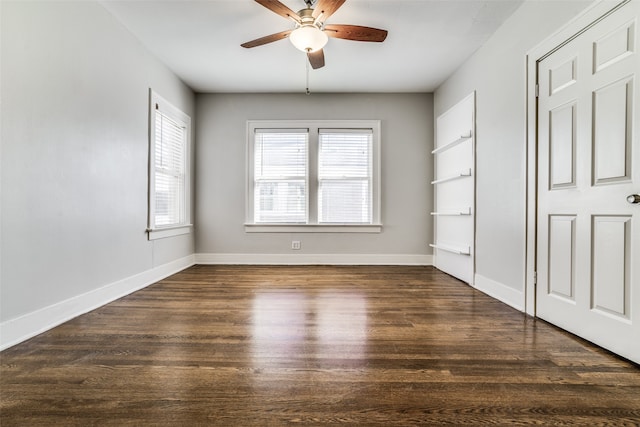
{"x": 270, "y": 346}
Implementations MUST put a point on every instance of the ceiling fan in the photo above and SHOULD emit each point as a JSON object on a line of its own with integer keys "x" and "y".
{"x": 311, "y": 33}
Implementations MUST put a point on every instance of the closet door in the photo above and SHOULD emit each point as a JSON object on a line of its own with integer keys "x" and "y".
{"x": 454, "y": 189}
{"x": 588, "y": 247}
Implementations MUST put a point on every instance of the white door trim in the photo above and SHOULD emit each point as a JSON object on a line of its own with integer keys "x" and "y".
{"x": 572, "y": 29}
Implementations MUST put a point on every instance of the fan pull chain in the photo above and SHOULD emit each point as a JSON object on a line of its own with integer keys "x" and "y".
{"x": 308, "y": 91}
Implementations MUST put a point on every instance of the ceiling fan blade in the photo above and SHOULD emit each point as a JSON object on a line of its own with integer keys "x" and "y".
{"x": 316, "y": 59}
{"x": 267, "y": 39}
{"x": 355, "y": 32}
{"x": 326, "y": 8}
{"x": 279, "y": 8}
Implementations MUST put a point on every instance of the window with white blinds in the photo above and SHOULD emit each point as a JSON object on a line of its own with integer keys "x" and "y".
{"x": 344, "y": 176}
{"x": 320, "y": 174}
{"x": 280, "y": 191}
{"x": 169, "y": 172}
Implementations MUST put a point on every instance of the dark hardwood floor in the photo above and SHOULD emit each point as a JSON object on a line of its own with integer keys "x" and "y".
{"x": 269, "y": 346}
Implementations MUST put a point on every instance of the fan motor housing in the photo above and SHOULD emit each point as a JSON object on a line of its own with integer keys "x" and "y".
{"x": 306, "y": 16}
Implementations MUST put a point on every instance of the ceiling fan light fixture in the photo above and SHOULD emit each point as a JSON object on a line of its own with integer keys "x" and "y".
{"x": 308, "y": 38}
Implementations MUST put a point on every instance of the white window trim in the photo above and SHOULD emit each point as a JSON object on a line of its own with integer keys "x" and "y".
{"x": 157, "y": 103}
{"x": 313, "y": 227}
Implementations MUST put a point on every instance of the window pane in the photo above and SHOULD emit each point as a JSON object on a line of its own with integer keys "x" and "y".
{"x": 345, "y": 155}
{"x": 280, "y": 201}
{"x": 168, "y": 208}
{"x": 344, "y": 201}
{"x": 344, "y": 176}
{"x": 279, "y": 155}
{"x": 169, "y": 144}
{"x": 169, "y": 171}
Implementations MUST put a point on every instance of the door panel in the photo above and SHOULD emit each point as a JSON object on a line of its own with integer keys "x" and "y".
{"x": 562, "y": 76}
{"x": 562, "y": 256}
{"x": 562, "y": 123}
{"x": 588, "y": 260}
{"x": 612, "y": 119}
{"x": 614, "y": 46}
{"x": 610, "y": 281}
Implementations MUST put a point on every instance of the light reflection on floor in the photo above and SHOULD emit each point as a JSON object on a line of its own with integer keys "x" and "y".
{"x": 294, "y": 333}
{"x": 341, "y": 324}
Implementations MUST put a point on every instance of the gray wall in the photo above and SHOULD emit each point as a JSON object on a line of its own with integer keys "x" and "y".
{"x": 497, "y": 72}
{"x": 407, "y": 140}
{"x": 74, "y": 87}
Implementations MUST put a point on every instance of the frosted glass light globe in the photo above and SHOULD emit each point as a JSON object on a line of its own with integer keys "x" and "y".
{"x": 308, "y": 38}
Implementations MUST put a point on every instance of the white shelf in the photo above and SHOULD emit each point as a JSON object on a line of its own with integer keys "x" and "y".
{"x": 459, "y": 251}
{"x": 461, "y": 212}
{"x": 453, "y": 143}
{"x": 462, "y": 173}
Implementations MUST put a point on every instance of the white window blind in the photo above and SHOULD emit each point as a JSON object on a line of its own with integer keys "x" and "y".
{"x": 345, "y": 176}
{"x": 170, "y": 156}
{"x": 280, "y": 176}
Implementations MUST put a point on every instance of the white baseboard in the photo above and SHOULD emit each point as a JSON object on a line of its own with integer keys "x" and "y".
{"x": 20, "y": 329}
{"x": 314, "y": 259}
{"x": 500, "y": 291}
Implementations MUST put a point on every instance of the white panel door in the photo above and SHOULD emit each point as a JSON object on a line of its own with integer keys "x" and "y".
{"x": 454, "y": 188}
{"x": 588, "y": 260}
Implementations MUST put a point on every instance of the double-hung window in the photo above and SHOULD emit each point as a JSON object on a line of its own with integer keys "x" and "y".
{"x": 169, "y": 143}
{"x": 313, "y": 176}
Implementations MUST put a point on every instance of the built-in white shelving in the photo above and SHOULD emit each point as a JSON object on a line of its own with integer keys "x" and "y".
{"x": 462, "y": 173}
{"x": 454, "y": 190}
{"x": 456, "y": 250}
{"x": 460, "y": 212}
{"x": 453, "y": 143}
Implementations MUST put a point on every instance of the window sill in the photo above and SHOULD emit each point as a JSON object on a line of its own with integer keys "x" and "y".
{"x": 161, "y": 233}
{"x": 313, "y": 228}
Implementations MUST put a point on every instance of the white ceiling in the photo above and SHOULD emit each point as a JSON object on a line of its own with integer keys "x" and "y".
{"x": 200, "y": 41}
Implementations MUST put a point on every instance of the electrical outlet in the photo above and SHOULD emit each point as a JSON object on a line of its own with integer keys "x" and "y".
{"x": 295, "y": 245}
